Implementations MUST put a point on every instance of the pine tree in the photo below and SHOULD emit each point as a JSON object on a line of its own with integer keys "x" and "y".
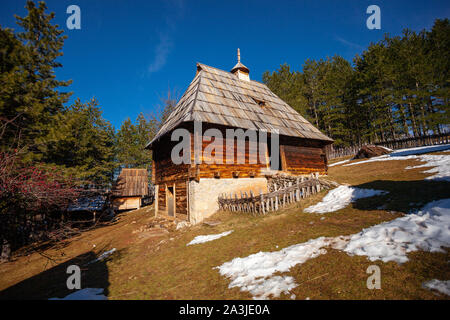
{"x": 168, "y": 105}
{"x": 131, "y": 141}
{"x": 30, "y": 90}
{"x": 288, "y": 85}
{"x": 398, "y": 87}
{"x": 83, "y": 144}
{"x": 439, "y": 56}
{"x": 334, "y": 115}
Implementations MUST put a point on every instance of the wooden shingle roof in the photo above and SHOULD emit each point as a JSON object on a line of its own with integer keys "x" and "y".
{"x": 219, "y": 97}
{"x": 131, "y": 183}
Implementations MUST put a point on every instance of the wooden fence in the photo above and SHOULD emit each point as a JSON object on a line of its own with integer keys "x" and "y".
{"x": 429, "y": 140}
{"x": 333, "y": 152}
{"x": 263, "y": 203}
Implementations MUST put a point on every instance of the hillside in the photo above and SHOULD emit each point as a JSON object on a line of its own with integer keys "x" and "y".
{"x": 156, "y": 263}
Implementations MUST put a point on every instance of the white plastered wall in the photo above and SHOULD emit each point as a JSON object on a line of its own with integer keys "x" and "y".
{"x": 203, "y": 194}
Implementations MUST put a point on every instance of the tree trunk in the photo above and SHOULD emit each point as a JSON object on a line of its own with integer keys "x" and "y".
{"x": 413, "y": 119}
{"x": 404, "y": 122}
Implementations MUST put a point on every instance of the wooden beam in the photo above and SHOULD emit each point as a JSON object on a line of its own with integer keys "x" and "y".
{"x": 156, "y": 199}
{"x": 283, "y": 158}
{"x": 174, "y": 201}
{"x": 167, "y": 202}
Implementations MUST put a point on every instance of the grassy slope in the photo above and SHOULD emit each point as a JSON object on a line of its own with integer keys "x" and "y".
{"x": 149, "y": 269}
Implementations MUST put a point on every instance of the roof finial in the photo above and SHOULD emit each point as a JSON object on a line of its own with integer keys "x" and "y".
{"x": 239, "y": 69}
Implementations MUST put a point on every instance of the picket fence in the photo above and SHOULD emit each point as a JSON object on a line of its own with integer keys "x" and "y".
{"x": 264, "y": 203}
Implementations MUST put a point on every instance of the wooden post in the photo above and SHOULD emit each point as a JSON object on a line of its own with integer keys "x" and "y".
{"x": 247, "y": 206}
{"x": 252, "y": 207}
{"x": 276, "y": 199}
{"x": 156, "y": 199}
{"x": 291, "y": 194}
{"x": 261, "y": 203}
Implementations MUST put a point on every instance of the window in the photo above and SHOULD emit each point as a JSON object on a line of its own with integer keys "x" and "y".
{"x": 259, "y": 102}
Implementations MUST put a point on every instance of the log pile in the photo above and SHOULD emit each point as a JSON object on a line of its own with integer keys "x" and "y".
{"x": 369, "y": 151}
{"x": 282, "y": 179}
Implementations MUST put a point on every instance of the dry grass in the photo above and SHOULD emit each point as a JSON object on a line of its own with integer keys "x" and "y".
{"x": 339, "y": 159}
{"x": 151, "y": 269}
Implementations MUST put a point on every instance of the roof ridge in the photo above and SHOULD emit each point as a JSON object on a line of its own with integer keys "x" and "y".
{"x": 196, "y": 92}
{"x": 234, "y": 76}
{"x": 255, "y": 91}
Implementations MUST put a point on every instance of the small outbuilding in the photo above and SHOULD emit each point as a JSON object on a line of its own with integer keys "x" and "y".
{"x": 90, "y": 203}
{"x": 129, "y": 189}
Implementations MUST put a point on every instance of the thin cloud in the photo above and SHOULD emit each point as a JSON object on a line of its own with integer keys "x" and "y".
{"x": 348, "y": 43}
{"x": 165, "y": 43}
{"x": 162, "y": 51}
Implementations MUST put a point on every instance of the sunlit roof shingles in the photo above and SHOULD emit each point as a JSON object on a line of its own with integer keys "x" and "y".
{"x": 224, "y": 99}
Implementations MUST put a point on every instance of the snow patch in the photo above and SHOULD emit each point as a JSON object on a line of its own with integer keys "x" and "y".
{"x": 103, "y": 255}
{"x": 338, "y": 163}
{"x": 85, "y": 294}
{"x": 438, "y": 285}
{"x": 387, "y": 149}
{"x": 441, "y": 163}
{"x": 341, "y": 197}
{"x": 420, "y": 150}
{"x": 428, "y": 230}
{"x": 255, "y": 273}
{"x": 211, "y": 237}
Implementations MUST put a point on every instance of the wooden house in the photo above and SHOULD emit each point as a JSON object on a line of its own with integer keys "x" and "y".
{"x": 222, "y": 100}
{"x": 129, "y": 189}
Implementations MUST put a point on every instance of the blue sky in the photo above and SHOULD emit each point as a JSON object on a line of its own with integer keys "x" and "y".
{"x": 128, "y": 53}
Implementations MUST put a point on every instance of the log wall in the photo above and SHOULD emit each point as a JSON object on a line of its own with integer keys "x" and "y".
{"x": 165, "y": 170}
{"x": 298, "y": 156}
{"x": 303, "y": 160}
{"x": 162, "y": 198}
{"x": 230, "y": 169}
{"x": 302, "y": 156}
{"x": 181, "y": 200}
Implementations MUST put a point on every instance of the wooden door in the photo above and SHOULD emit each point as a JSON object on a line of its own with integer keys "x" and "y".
{"x": 170, "y": 201}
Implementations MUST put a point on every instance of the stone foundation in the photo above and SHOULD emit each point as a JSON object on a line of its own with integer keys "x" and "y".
{"x": 203, "y": 194}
